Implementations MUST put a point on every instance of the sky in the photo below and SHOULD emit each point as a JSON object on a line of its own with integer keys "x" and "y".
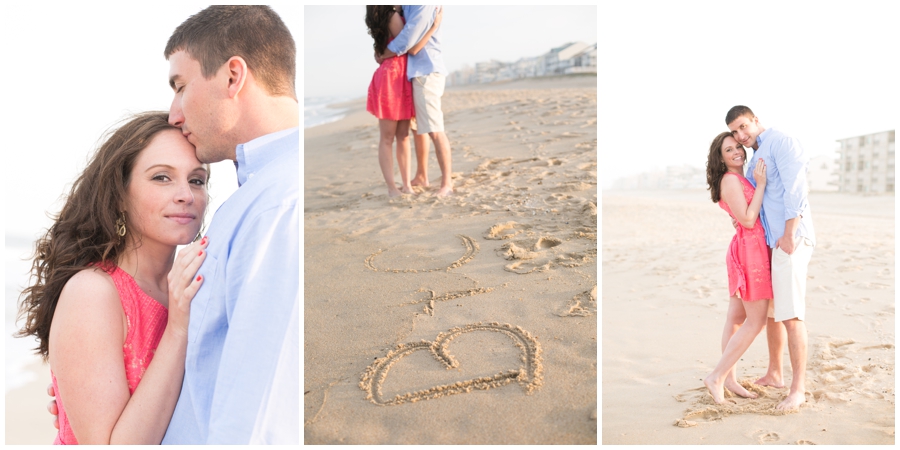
{"x": 338, "y": 52}
{"x": 670, "y": 71}
{"x": 73, "y": 71}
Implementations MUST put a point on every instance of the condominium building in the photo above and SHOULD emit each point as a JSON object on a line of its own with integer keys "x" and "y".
{"x": 866, "y": 163}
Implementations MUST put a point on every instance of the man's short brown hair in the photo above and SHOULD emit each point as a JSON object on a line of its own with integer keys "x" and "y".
{"x": 738, "y": 111}
{"x": 255, "y": 33}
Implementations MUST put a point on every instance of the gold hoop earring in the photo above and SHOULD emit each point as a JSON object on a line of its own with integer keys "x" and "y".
{"x": 120, "y": 225}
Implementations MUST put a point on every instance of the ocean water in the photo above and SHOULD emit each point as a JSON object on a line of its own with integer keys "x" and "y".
{"x": 321, "y": 110}
{"x": 18, "y": 350}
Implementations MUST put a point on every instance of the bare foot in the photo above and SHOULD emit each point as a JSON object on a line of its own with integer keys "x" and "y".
{"x": 716, "y": 390}
{"x": 407, "y": 190}
{"x": 394, "y": 193}
{"x": 792, "y": 401}
{"x": 770, "y": 380}
{"x": 419, "y": 181}
{"x": 445, "y": 192}
{"x": 739, "y": 390}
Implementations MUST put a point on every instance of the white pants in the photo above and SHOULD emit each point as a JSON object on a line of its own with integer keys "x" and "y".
{"x": 789, "y": 282}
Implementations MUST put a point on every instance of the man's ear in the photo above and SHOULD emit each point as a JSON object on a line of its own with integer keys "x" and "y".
{"x": 237, "y": 75}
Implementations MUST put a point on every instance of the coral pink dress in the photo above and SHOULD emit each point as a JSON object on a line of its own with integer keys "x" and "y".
{"x": 749, "y": 274}
{"x": 146, "y": 323}
{"x": 390, "y": 92}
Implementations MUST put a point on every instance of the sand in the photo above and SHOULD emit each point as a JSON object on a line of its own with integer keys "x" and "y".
{"x": 664, "y": 304}
{"x": 465, "y": 320}
{"x": 27, "y": 419}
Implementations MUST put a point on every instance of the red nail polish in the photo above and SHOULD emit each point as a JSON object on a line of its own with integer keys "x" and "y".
{"x": 199, "y": 277}
{"x": 201, "y": 253}
{"x": 203, "y": 241}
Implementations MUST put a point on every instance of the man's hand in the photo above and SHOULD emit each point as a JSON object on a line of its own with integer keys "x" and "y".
{"x": 52, "y": 406}
{"x": 734, "y": 223}
{"x": 378, "y": 58}
{"x": 786, "y": 243}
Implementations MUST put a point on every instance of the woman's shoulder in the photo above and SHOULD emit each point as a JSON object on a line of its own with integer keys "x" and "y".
{"x": 92, "y": 287}
{"x": 734, "y": 180}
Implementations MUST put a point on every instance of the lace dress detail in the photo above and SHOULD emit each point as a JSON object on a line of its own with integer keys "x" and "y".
{"x": 146, "y": 322}
{"x": 749, "y": 273}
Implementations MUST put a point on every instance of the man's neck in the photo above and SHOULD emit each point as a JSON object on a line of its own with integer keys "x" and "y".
{"x": 269, "y": 115}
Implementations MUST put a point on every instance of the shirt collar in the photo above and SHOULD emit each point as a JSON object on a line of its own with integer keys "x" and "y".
{"x": 762, "y": 136}
{"x": 256, "y": 154}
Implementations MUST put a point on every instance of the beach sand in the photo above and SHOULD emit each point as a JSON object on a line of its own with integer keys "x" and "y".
{"x": 27, "y": 419}
{"x": 494, "y": 290}
{"x": 664, "y": 304}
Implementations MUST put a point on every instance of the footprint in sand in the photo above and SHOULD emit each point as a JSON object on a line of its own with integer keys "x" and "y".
{"x": 505, "y": 230}
{"x": 468, "y": 242}
{"x": 528, "y": 255}
{"x": 537, "y": 255}
{"x": 583, "y": 304}
{"x": 528, "y": 374}
{"x": 767, "y": 437}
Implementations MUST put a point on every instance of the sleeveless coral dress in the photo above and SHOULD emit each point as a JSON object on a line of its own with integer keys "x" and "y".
{"x": 390, "y": 92}
{"x": 749, "y": 273}
{"x": 146, "y": 322}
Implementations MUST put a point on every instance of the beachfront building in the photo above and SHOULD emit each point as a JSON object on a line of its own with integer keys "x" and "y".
{"x": 866, "y": 163}
{"x": 573, "y": 57}
{"x": 822, "y": 175}
{"x": 584, "y": 62}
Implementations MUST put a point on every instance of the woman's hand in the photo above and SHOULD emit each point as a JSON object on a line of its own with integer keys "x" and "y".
{"x": 759, "y": 174}
{"x": 438, "y": 16}
{"x": 183, "y": 284}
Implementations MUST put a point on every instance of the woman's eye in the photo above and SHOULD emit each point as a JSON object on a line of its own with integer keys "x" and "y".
{"x": 161, "y": 178}
{"x": 198, "y": 181}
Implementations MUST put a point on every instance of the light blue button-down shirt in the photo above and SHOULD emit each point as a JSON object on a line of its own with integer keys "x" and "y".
{"x": 786, "y": 195}
{"x": 242, "y": 372}
{"x": 430, "y": 59}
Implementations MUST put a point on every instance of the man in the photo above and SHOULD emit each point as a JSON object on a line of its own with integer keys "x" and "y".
{"x": 786, "y": 218}
{"x": 235, "y": 99}
{"x": 426, "y": 71}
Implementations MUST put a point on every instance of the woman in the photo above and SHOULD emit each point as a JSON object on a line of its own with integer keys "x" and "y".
{"x": 749, "y": 276}
{"x": 108, "y": 287}
{"x": 390, "y": 92}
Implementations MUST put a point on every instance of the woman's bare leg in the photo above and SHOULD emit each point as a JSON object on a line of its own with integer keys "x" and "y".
{"x": 733, "y": 322}
{"x": 385, "y": 160}
{"x": 737, "y": 345}
{"x": 402, "y": 136}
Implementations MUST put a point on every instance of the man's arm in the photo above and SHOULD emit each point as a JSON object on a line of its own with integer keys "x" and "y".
{"x": 253, "y": 367}
{"x": 792, "y": 161}
{"x": 418, "y": 22}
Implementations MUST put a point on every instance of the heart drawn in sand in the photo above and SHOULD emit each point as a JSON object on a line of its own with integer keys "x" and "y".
{"x": 528, "y": 375}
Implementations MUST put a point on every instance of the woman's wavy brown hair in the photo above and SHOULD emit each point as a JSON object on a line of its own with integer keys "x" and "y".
{"x": 377, "y": 19}
{"x": 84, "y": 232}
{"x": 715, "y": 166}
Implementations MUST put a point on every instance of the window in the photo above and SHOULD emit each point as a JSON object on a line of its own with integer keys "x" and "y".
{"x": 859, "y": 165}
